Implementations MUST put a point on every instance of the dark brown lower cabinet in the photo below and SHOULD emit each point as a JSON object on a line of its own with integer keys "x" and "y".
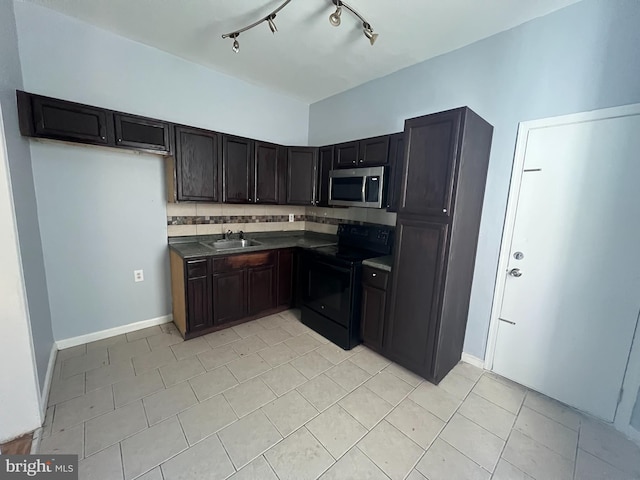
{"x": 374, "y": 306}
{"x": 211, "y": 293}
{"x": 417, "y": 273}
{"x": 261, "y": 295}
{"x": 285, "y": 277}
{"x": 198, "y": 298}
{"x": 229, "y": 296}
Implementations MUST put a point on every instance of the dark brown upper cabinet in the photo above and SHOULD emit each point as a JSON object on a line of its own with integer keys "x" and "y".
{"x": 142, "y": 133}
{"x": 432, "y": 148}
{"x": 197, "y": 165}
{"x": 237, "y": 167}
{"x": 396, "y": 161}
{"x": 267, "y": 173}
{"x": 301, "y": 175}
{"x": 369, "y": 152}
{"x": 325, "y": 164}
{"x": 373, "y": 151}
{"x": 346, "y": 154}
{"x": 46, "y": 117}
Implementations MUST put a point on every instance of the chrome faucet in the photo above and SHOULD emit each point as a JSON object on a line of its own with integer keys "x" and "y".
{"x": 227, "y": 235}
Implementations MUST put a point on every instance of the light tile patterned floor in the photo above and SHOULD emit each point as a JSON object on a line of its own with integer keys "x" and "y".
{"x": 271, "y": 399}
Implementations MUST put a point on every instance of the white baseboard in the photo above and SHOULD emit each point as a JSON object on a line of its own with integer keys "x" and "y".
{"x": 112, "y": 332}
{"x": 44, "y": 395}
{"x": 471, "y": 360}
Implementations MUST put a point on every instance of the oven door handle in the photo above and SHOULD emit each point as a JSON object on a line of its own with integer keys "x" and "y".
{"x": 334, "y": 267}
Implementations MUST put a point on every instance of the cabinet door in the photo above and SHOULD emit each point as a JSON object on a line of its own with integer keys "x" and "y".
{"x": 432, "y": 150}
{"x": 266, "y": 180}
{"x": 325, "y": 163}
{"x": 396, "y": 162}
{"x": 198, "y": 295}
{"x": 237, "y": 165}
{"x": 417, "y": 284}
{"x": 142, "y": 133}
{"x": 285, "y": 278}
{"x": 229, "y": 296}
{"x": 197, "y": 164}
{"x": 374, "y": 151}
{"x": 301, "y": 175}
{"x": 374, "y": 303}
{"x": 74, "y": 122}
{"x": 261, "y": 289}
{"x": 346, "y": 154}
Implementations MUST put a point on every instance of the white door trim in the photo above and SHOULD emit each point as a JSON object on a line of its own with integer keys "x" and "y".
{"x": 631, "y": 382}
{"x": 512, "y": 202}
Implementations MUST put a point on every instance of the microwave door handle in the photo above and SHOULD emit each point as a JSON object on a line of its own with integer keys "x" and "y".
{"x": 364, "y": 189}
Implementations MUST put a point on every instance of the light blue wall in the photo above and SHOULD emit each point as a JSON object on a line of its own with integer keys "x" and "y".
{"x": 580, "y": 58}
{"x": 24, "y": 194}
{"x": 103, "y": 212}
{"x": 103, "y": 221}
{"x": 635, "y": 416}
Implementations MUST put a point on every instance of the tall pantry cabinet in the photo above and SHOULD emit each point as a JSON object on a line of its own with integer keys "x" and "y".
{"x": 443, "y": 181}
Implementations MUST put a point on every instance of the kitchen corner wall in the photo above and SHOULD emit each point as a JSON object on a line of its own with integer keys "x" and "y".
{"x": 580, "y": 58}
{"x": 102, "y": 212}
{"x": 184, "y": 219}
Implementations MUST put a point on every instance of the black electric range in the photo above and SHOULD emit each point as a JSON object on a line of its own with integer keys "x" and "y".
{"x": 331, "y": 281}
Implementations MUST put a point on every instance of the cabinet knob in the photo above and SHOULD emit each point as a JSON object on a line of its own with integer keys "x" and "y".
{"x": 361, "y": 161}
{"x": 374, "y": 274}
{"x": 444, "y": 210}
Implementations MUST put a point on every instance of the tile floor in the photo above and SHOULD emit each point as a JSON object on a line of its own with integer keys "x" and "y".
{"x": 271, "y": 399}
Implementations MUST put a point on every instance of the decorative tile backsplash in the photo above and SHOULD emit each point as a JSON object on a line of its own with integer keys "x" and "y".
{"x": 207, "y": 219}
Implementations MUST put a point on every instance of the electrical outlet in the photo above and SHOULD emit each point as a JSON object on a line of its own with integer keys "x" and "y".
{"x": 138, "y": 275}
{"x": 291, "y": 217}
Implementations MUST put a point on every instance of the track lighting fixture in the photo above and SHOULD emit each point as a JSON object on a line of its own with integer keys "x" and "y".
{"x": 236, "y": 44}
{"x": 334, "y": 19}
{"x": 368, "y": 32}
{"x": 272, "y": 24}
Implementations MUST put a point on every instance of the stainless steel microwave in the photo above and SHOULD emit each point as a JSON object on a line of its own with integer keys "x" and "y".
{"x": 357, "y": 187}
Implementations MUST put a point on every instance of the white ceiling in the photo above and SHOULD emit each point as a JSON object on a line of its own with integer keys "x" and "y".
{"x": 307, "y": 58}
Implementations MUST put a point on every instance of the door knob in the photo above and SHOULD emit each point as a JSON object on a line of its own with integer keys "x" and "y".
{"x": 515, "y": 272}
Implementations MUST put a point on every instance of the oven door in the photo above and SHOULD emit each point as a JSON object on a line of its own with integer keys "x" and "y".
{"x": 327, "y": 289}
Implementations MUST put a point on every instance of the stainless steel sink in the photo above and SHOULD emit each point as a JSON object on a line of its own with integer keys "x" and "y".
{"x": 230, "y": 244}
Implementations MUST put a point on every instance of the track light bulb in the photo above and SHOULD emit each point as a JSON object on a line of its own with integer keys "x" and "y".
{"x": 334, "y": 18}
{"x": 368, "y": 32}
{"x": 236, "y": 45}
{"x": 272, "y": 24}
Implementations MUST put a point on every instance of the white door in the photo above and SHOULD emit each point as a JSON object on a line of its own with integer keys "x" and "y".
{"x": 571, "y": 298}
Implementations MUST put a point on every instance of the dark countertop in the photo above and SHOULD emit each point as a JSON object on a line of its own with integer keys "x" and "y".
{"x": 382, "y": 263}
{"x": 191, "y": 247}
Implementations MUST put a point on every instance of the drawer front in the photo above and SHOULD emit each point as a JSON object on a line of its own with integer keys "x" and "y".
{"x": 375, "y": 278}
{"x": 197, "y": 268}
{"x": 236, "y": 262}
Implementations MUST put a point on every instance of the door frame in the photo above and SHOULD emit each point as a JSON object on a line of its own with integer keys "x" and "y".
{"x": 631, "y": 381}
